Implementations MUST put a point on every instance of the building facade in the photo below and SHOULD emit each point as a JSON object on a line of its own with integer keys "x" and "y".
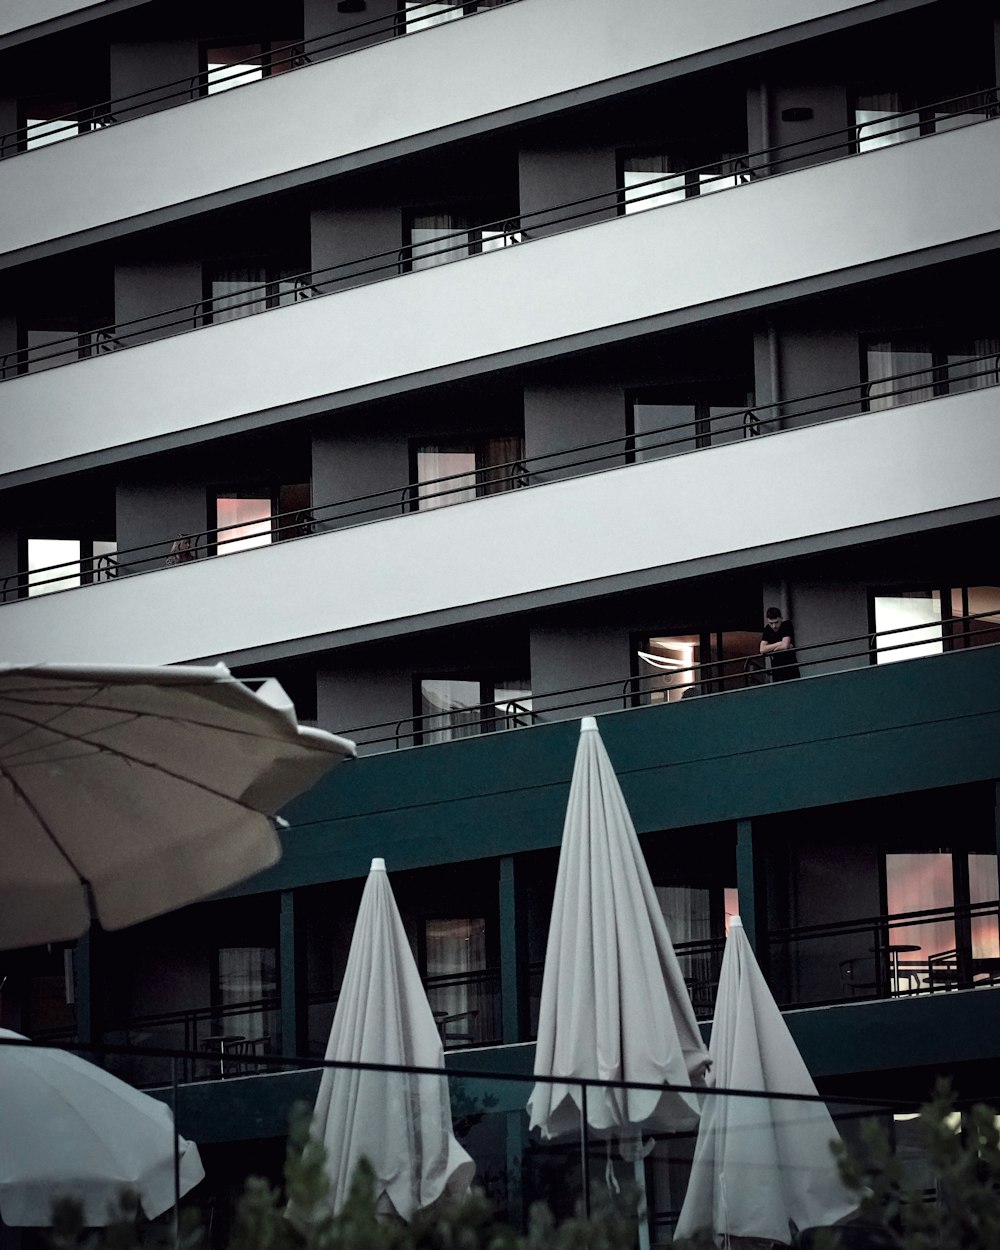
{"x": 407, "y": 353}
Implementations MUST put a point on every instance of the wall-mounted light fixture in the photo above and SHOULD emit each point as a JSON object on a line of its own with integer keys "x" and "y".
{"x": 797, "y": 115}
{"x": 351, "y": 6}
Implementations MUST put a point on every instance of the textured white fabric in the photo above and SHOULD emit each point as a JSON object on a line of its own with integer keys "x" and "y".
{"x": 614, "y": 1005}
{"x": 154, "y": 785}
{"x": 70, "y": 1129}
{"x": 401, "y": 1123}
{"x": 759, "y": 1164}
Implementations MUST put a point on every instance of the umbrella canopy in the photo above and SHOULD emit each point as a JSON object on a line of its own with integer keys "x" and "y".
{"x": 759, "y": 1164}
{"x": 400, "y": 1122}
{"x": 72, "y": 1130}
{"x": 614, "y": 1005}
{"x": 128, "y": 792}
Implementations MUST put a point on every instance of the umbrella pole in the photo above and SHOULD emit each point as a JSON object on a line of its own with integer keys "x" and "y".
{"x": 643, "y": 1204}
{"x": 177, "y": 1156}
{"x": 584, "y": 1149}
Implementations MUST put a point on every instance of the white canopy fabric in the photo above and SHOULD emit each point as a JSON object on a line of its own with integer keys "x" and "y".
{"x": 614, "y": 1004}
{"x": 759, "y": 1164}
{"x": 70, "y": 1129}
{"x": 400, "y": 1122}
{"x": 134, "y": 791}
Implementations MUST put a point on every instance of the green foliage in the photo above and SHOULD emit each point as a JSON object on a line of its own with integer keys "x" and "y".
{"x": 296, "y": 1217}
{"x": 963, "y": 1153}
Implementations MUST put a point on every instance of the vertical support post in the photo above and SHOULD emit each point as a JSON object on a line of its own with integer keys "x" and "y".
{"x": 996, "y": 799}
{"x": 513, "y": 964}
{"x": 289, "y": 977}
{"x": 177, "y": 1155}
{"x": 515, "y": 1122}
{"x": 88, "y": 1027}
{"x": 584, "y": 1149}
{"x": 751, "y": 890}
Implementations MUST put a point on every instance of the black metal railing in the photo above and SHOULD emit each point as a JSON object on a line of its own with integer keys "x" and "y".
{"x": 739, "y": 425}
{"x": 265, "y": 64}
{"x": 887, "y": 956}
{"x": 659, "y": 191}
{"x": 222, "y": 1040}
{"x": 713, "y": 677}
{"x": 467, "y": 721}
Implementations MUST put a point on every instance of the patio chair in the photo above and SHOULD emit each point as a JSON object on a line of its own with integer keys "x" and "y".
{"x": 460, "y": 1037}
{"x": 857, "y": 976}
{"x": 942, "y": 971}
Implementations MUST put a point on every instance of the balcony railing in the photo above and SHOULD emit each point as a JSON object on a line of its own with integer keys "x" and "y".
{"x": 738, "y": 425}
{"x": 889, "y": 956}
{"x": 221, "y": 1040}
{"x": 465, "y": 1005}
{"x": 417, "y": 16}
{"x": 515, "y": 1169}
{"x": 662, "y": 191}
{"x": 724, "y": 676}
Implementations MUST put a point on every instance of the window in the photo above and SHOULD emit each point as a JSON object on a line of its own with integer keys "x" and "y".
{"x": 238, "y": 289}
{"x": 45, "y": 341}
{"x": 61, "y": 563}
{"x": 457, "y": 989}
{"x": 669, "y": 667}
{"x": 648, "y": 180}
{"x": 666, "y": 421}
{"x": 436, "y": 238}
{"x": 945, "y": 952}
{"x": 47, "y": 119}
{"x": 247, "y": 517}
{"x": 247, "y": 978}
{"x": 913, "y": 623}
{"x": 449, "y": 707}
{"x": 449, "y": 472}
{"x": 420, "y": 14}
{"x": 905, "y": 371}
{"x": 882, "y": 118}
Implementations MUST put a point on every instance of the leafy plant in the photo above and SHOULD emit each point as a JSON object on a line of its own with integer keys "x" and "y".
{"x": 963, "y": 1153}
{"x": 296, "y": 1217}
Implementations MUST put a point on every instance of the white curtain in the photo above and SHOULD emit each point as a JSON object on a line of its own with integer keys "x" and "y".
{"x": 247, "y": 974}
{"x": 456, "y": 948}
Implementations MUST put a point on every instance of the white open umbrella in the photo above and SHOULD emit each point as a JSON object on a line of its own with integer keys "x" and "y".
{"x": 70, "y": 1129}
{"x": 614, "y": 1004}
{"x": 128, "y": 792}
{"x": 400, "y": 1122}
{"x": 759, "y": 1164}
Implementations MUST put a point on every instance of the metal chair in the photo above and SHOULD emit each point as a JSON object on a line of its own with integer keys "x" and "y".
{"x": 858, "y": 976}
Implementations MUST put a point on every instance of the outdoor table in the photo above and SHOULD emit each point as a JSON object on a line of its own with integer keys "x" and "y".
{"x": 894, "y": 950}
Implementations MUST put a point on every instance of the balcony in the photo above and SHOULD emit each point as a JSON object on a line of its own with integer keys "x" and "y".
{"x": 903, "y": 462}
{"x": 603, "y": 283}
{"x": 376, "y": 103}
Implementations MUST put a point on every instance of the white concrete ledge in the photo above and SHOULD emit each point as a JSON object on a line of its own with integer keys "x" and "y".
{"x": 841, "y": 475}
{"x": 364, "y": 101}
{"x": 691, "y": 255}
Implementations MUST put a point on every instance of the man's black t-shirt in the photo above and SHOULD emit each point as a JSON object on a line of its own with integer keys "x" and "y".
{"x": 784, "y": 664}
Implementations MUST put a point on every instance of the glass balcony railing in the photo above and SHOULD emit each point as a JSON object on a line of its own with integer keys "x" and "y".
{"x": 583, "y": 1170}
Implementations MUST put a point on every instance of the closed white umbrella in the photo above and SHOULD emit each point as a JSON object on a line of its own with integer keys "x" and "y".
{"x": 759, "y": 1164}
{"x": 128, "y": 792}
{"x": 614, "y": 1004}
{"x": 71, "y": 1130}
{"x": 400, "y": 1122}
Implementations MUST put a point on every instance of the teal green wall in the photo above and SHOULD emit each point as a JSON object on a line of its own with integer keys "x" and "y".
{"x": 825, "y": 739}
{"x": 851, "y": 1039}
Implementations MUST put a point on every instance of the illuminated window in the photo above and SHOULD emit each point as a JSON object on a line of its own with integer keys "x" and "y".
{"x": 450, "y": 707}
{"x": 451, "y": 472}
{"x": 670, "y": 667}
